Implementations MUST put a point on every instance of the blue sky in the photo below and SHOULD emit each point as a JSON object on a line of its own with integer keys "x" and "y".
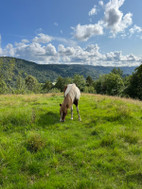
{"x": 94, "y": 32}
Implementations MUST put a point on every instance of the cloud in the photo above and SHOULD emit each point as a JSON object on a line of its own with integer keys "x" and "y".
{"x": 36, "y": 52}
{"x": 114, "y": 56}
{"x": 48, "y": 54}
{"x": 50, "y": 50}
{"x": 42, "y": 38}
{"x": 10, "y": 50}
{"x": 132, "y": 58}
{"x": 112, "y": 17}
{"x": 101, "y": 3}
{"x": 114, "y": 20}
{"x": 69, "y": 51}
{"x": 91, "y": 55}
{"x": 93, "y": 11}
{"x": 84, "y": 32}
{"x": 25, "y": 41}
{"x": 135, "y": 29}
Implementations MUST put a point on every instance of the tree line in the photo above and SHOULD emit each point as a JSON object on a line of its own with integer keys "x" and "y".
{"x": 114, "y": 83}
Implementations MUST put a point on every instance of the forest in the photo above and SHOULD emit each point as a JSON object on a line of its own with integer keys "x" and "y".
{"x": 21, "y": 77}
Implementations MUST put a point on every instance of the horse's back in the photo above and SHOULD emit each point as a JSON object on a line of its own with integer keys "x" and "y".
{"x": 73, "y": 91}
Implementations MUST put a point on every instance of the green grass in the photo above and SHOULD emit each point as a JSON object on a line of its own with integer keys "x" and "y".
{"x": 104, "y": 150}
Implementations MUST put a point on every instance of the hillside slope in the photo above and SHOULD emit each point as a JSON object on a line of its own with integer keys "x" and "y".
{"x": 51, "y": 72}
{"x": 104, "y": 150}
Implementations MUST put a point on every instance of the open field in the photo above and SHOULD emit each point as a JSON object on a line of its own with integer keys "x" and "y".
{"x": 103, "y": 151}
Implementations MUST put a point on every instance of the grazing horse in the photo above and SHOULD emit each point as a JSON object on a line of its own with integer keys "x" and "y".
{"x": 71, "y": 96}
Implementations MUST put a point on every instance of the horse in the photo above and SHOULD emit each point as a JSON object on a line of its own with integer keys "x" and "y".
{"x": 71, "y": 96}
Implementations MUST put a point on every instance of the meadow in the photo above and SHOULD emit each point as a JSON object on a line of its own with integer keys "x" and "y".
{"x": 103, "y": 151}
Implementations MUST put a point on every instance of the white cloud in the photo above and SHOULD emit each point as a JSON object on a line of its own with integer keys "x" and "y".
{"x": 84, "y": 32}
{"x": 36, "y": 52}
{"x": 91, "y": 55}
{"x": 112, "y": 17}
{"x": 42, "y": 38}
{"x": 10, "y": 50}
{"x": 114, "y": 56}
{"x": 93, "y": 11}
{"x": 114, "y": 20}
{"x": 135, "y": 29}
{"x": 69, "y": 51}
{"x": 121, "y": 26}
{"x": 47, "y": 54}
{"x": 50, "y": 50}
{"x": 101, "y": 3}
{"x": 25, "y": 41}
{"x": 132, "y": 58}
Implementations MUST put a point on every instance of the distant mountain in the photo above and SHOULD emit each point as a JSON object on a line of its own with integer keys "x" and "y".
{"x": 51, "y": 71}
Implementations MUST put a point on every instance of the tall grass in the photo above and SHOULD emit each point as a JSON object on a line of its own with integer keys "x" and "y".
{"x": 104, "y": 150}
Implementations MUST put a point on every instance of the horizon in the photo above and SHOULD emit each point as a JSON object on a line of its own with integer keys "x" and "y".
{"x": 67, "y": 64}
{"x": 97, "y": 33}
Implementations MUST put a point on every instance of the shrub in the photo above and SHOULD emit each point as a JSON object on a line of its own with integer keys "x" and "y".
{"x": 89, "y": 89}
{"x": 54, "y": 90}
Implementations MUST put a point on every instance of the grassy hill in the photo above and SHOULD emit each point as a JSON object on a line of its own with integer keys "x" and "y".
{"x": 52, "y": 71}
{"x": 104, "y": 150}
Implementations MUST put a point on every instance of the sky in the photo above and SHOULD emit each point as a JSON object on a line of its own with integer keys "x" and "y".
{"x": 93, "y": 32}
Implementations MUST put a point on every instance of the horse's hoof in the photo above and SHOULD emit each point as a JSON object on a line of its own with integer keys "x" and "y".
{"x": 71, "y": 118}
{"x": 61, "y": 120}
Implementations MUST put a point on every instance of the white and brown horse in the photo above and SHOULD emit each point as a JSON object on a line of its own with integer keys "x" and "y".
{"x": 71, "y": 96}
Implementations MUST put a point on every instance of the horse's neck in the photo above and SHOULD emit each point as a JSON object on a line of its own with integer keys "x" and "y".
{"x": 67, "y": 101}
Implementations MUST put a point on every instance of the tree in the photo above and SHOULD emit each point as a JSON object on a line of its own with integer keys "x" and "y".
{"x": 7, "y": 73}
{"x": 32, "y": 84}
{"x": 3, "y": 87}
{"x": 20, "y": 85}
{"x": 117, "y": 71}
{"x": 60, "y": 84}
{"x": 1, "y": 69}
{"x": 89, "y": 81}
{"x": 68, "y": 80}
{"x": 134, "y": 89}
{"x": 79, "y": 80}
{"x": 89, "y": 89}
{"x": 47, "y": 86}
{"x": 110, "y": 84}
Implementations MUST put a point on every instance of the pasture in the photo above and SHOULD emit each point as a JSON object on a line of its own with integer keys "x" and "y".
{"x": 103, "y": 151}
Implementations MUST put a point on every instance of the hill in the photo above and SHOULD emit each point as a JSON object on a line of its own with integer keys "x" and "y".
{"x": 51, "y": 72}
{"x": 102, "y": 151}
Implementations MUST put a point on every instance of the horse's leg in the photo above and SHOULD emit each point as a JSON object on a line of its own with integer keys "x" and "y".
{"x": 72, "y": 112}
{"x": 78, "y": 113}
{"x": 76, "y": 103}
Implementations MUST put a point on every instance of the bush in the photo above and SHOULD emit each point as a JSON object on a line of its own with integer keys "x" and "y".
{"x": 89, "y": 89}
{"x": 54, "y": 90}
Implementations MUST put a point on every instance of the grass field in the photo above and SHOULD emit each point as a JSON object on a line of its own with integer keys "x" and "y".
{"x": 104, "y": 150}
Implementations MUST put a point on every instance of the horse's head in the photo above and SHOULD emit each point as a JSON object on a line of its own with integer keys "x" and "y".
{"x": 63, "y": 112}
